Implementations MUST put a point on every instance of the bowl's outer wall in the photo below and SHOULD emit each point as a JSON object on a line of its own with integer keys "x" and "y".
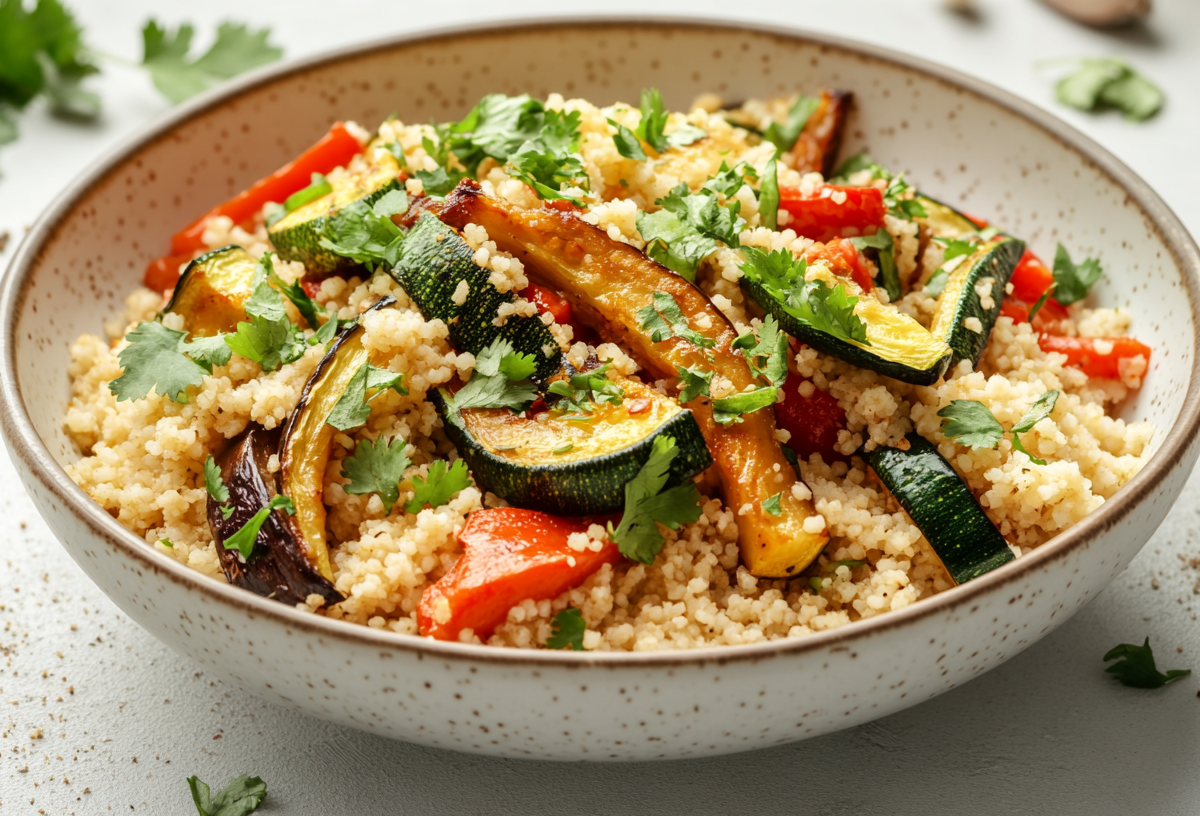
{"x": 960, "y": 146}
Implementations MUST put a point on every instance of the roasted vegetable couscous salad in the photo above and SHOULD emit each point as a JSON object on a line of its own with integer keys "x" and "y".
{"x": 562, "y": 376}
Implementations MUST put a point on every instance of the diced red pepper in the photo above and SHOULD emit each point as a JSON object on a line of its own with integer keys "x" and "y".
{"x": 548, "y": 301}
{"x": 1031, "y": 278}
{"x": 813, "y": 421}
{"x": 821, "y": 218}
{"x": 334, "y": 150}
{"x": 163, "y": 273}
{"x": 1081, "y": 353}
{"x": 1047, "y": 319}
{"x": 509, "y": 555}
{"x": 843, "y": 259}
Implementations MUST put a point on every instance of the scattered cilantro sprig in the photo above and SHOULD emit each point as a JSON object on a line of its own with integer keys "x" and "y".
{"x": 1109, "y": 83}
{"x": 1072, "y": 281}
{"x": 647, "y": 505}
{"x": 215, "y": 486}
{"x": 353, "y": 407}
{"x": 784, "y": 135}
{"x": 770, "y": 346}
{"x": 663, "y": 319}
{"x": 548, "y": 162}
{"x": 500, "y": 379}
{"x": 376, "y": 467}
{"x": 439, "y": 486}
{"x": 365, "y": 233}
{"x": 244, "y": 539}
{"x": 582, "y": 391}
{"x": 1135, "y": 666}
{"x": 972, "y": 424}
{"x": 651, "y": 129}
{"x": 830, "y": 310}
{"x": 240, "y": 797}
{"x": 685, "y": 230}
{"x": 568, "y": 630}
{"x": 156, "y": 359}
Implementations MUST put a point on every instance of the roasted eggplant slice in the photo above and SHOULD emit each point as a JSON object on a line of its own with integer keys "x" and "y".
{"x": 816, "y": 150}
{"x": 280, "y": 566}
{"x": 304, "y": 451}
{"x": 607, "y": 283}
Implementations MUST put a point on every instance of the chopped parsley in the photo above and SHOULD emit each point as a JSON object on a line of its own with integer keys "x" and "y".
{"x": 439, "y": 486}
{"x": 376, "y": 467}
{"x": 773, "y": 504}
{"x": 770, "y": 347}
{"x": 1135, "y": 667}
{"x": 166, "y": 542}
{"x": 269, "y": 337}
{"x": 156, "y": 359}
{"x": 215, "y": 485}
{"x": 830, "y": 310}
{"x": 972, "y": 424}
{"x": 500, "y": 379}
{"x": 1109, "y": 83}
{"x": 894, "y": 198}
{"x": 702, "y": 212}
{"x": 353, "y": 407}
{"x": 664, "y": 319}
{"x": 684, "y": 231}
{"x": 236, "y": 50}
{"x": 768, "y": 195}
{"x": 696, "y": 382}
{"x": 586, "y": 389}
{"x": 647, "y": 505}
{"x": 729, "y": 180}
{"x": 1072, "y": 281}
{"x": 729, "y": 410}
{"x": 365, "y": 233}
{"x": 548, "y": 162}
{"x": 784, "y": 136}
{"x": 495, "y": 128}
{"x": 244, "y": 539}
{"x": 240, "y": 797}
{"x": 651, "y": 129}
{"x": 568, "y": 630}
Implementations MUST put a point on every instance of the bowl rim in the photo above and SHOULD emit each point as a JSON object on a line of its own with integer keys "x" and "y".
{"x": 24, "y": 442}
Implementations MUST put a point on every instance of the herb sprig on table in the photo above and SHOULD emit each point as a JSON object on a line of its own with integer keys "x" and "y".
{"x": 1135, "y": 666}
{"x": 240, "y": 797}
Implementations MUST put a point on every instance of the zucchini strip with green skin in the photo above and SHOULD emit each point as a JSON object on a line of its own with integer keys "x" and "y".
{"x": 279, "y": 565}
{"x": 942, "y": 506}
{"x": 961, "y": 300}
{"x": 212, "y": 291}
{"x": 304, "y": 450}
{"x": 513, "y": 455}
{"x": 433, "y": 263}
{"x": 607, "y": 283}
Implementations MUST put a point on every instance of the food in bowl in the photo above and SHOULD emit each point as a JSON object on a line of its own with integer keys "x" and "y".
{"x": 603, "y": 378}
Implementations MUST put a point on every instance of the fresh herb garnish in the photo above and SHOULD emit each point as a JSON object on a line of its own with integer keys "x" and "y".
{"x": 236, "y": 50}
{"x": 685, "y": 230}
{"x": 812, "y": 302}
{"x": 568, "y": 630}
{"x": 784, "y": 136}
{"x": 1072, "y": 281}
{"x": 500, "y": 379}
{"x": 1135, "y": 666}
{"x": 376, "y": 467}
{"x": 584, "y": 390}
{"x": 770, "y": 346}
{"x": 547, "y": 162}
{"x": 495, "y": 128}
{"x": 651, "y": 129}
{"x": 664, "y": 319}
{"x": 1037, "y": 307}
{"x": 1109, "y": 83}
{"x": 627, "y": 142}
{"x": 309, "y": 309}
{"x": 696, "y": 382}
{"x": 768, "y": 194}
{"x": 885, "y": 253}
{"x": 729, "y": 410}
{"x": 157, "y": 359}
{"x": 972, "y": 424}
{"x": 955, "y": 247}
{"x": 215, "y": 486}
{"x": 240, "y": 797}
{"x": 856, "y": 164}
{"x": 365, "y": 233}
{"x": 704, "y": 214}
{"x": 318, "y": 186}
{"x": 269, "y": 337}
{"x": 898, "y": 205}
{"x": 773, "y": 504}
{"x": 353, "y": 407}
{"x": 936, "y": 283}
{"x": 647, "y": 505}
{"x": 243, "y": 540}
{"x": 729, "y": 180}
{"x": 440, "y": 485}
{"x": 166, "y": 542}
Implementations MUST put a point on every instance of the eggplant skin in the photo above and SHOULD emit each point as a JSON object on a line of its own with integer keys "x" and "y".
{"x": 278, "y": 567}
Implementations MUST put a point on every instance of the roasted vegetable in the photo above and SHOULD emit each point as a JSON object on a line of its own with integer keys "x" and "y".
{"x": 942, "y": 506}
{"x": 509, "y": 555}
{"x": 832, "y": 212}
{"x": 817, "y": 148}
{"x": 212, "y": 291}
{"x": 572, "y": 463}
{"x": 282, "y": 565}
{"x": 297, "y": 235}
{"x": 974, "y": 292}
{"x": 433, "y": 263}
{"x": 608, "y": 283}
{"x": 304, "y": 451}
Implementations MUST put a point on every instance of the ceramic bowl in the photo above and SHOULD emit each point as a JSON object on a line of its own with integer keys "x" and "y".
{"x": 965, "y": 141}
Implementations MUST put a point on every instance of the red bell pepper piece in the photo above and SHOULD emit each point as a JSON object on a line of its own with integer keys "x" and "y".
{"x": 509, "y": 555}
{"x": 334, "y": 150}
{"x": 1031, "y": 278}
{"x": 1045, "y": 321}
{"x": 163, "y": 273}
{"x": 548, "y": 301}
{"x": 821, "y": 218}
{"x": 813, "y": 421}
{"x": 843, "y": 259}
{"x": 1081, "y": 353}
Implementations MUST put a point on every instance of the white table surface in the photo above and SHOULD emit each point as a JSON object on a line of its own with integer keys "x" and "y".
{"x": 123, "y": 721}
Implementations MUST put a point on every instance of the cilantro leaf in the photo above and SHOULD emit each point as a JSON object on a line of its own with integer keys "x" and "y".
{"x": 812, "y": 302}
{"x": 898, "y": 206}
{"x": 674, "y": 243}
{"x": 585, "y": 389}
{"x": 729, "y": 410}
{"x": 1037, "y": 307}
{"x": 885, "y": 255}
{"x": 353, "y": 407}
{"x": 729, "y": 180}
{"x": 647, "y": 505}
{"x": 784, "y": 136}
{"x": 244, "y": 539}
{"x": 154, "y": 360}
{"x": 772, "y": 344}
{"x": 696, "y": 383}
{"x": 495, "y": 128}
{"x": 773, "y": 504}
{"x": 704, "y": 214}
{"x": 768, "y": 195}
{"x": 440, "y": 486}
{"x": 365, "y": 233}
{"x": 955, "y": 247}
{"x": 207, "y": 351}
{"x": 270, "y": 343}
{"x": 1040, "y": 409}
{"x": 500, "y": 379}
{"x": 546, "y": 171}
{"x": 651, "y": 128}
{"x": 376, "y": 467}
{"x": 1072, "y": 281}
{"x": 627, "y": 142}
{"x": 664, "y": 319}
{"x": 1135, "y": 666}
{"x": 971, "y": 423}
{"x": 309, "y": 309}
{"x": 569, "y": 627}
{"x": 1109, "y": 82}
{"x": 213, "y": 482}
{"x": 240, "y": 797}
{"x": 237, "y": 49}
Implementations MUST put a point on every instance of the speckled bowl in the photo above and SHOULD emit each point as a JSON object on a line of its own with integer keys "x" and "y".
{"x": 965, "y": 141}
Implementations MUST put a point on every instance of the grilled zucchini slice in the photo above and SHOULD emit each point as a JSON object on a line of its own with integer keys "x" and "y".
{"x": 212, "y": 290}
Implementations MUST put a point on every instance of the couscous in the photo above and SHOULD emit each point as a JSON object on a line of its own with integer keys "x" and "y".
{"x": 564, "y": 376}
